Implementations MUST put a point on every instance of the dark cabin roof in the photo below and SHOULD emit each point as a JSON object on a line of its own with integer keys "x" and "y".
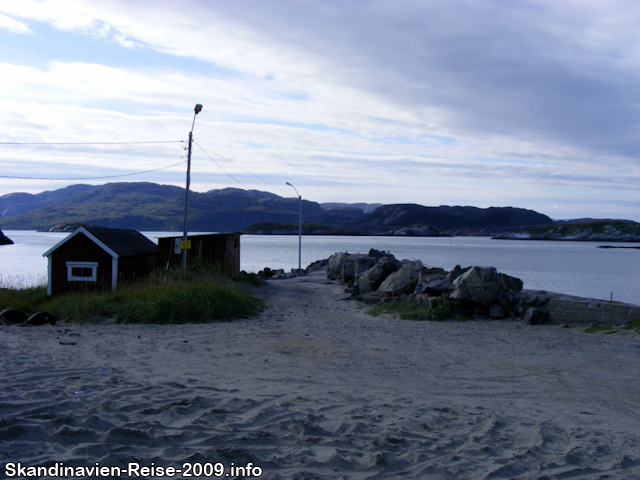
{"x": 117, "y": 242}
{"x": 124, "y": 242}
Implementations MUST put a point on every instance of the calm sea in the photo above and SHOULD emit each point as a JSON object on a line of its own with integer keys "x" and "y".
{"x": 574, "y": 268}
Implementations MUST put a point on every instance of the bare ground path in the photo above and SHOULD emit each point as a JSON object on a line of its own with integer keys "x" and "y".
{"x": 314, "y": 387}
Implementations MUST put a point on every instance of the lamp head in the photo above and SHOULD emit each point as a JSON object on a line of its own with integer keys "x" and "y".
{"x": 198, "y": 108}
{"x": 289, "y": 184}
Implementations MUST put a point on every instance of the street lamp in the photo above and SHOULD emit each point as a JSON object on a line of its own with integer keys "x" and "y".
{"x": 299, "y": 230}
{"x": 184, "y": 248}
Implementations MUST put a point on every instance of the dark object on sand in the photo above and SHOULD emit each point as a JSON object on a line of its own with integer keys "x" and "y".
{"x": 11, "y": 317}
{"x": 41, "y": 318}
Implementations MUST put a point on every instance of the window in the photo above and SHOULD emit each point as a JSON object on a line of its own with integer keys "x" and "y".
{"x": 82, "y": 271}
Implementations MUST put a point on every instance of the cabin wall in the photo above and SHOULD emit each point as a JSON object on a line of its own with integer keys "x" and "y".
{"x": 222, "y": 249}
{"x": 136, "y": 267}
{"x": 82, "y": 249}
{"x": 79, "y": 249}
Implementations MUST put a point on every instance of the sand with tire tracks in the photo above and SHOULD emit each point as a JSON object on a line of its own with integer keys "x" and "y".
{"x": 314, "y": 387}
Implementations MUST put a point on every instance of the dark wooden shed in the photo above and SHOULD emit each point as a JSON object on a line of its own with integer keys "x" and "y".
{"x": 97, "y": 258}
{"x": 220, "y": 248}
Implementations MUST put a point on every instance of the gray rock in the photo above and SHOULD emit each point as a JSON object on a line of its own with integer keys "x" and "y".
{"x": 378, "y": 253}
{"x": 404, "y": 280}
{"x": 317, "y": 265}
{"x": 434, "y": 284}
{"x": 456, "y": 272}
{"x": 345, "y": 266}
{"x": 370, "y": 280}
{"x": 361, "y": 265}
{"x": 335, "y": 265}
{"x": 374, "y": 298}
{"x": 534, "y": 316}
{"x": 483, "y": 285}
{"x": 497, "y": 311}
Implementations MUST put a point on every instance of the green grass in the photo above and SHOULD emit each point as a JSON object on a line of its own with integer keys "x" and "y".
{"x": 201, "y": 295}
{"x": 634, "y": 326}
{"x": 408, "y": 309}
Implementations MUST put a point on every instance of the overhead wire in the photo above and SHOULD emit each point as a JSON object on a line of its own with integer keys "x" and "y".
{"x": 220, "y": 166}
{"x": 239, "y": 166}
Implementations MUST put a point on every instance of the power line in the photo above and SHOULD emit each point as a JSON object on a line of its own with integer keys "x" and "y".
{"x": 85, "y": 143}
{"x": 220, "y": 166}
{"x": 94, "y": 178}
{"x": 250, "y": 173}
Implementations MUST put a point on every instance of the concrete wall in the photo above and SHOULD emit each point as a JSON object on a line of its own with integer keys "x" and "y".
{"x": 569, "y": 309}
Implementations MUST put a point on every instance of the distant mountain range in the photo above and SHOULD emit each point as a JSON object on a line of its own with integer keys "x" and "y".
{"x": 153, "y": 207}
{"x": 149, "y": 206}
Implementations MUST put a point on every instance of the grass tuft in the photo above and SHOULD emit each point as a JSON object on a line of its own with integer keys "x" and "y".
{"x": 632, "y": 326}
{"x": 408, "y": 309}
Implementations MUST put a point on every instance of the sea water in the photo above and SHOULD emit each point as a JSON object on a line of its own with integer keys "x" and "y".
{"x": 574, "y": 268}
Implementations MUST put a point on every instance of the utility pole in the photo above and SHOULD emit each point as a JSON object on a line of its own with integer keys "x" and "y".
{"x": 299, "y": 229}
{"x": 184, "y": 245}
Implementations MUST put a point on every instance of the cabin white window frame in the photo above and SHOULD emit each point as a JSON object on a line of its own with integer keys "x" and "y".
{"x": 82, "y": 278}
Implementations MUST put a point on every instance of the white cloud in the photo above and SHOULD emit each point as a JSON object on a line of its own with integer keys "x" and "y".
{"x": 14, "y": 26}
{"x": 402, "y": 100}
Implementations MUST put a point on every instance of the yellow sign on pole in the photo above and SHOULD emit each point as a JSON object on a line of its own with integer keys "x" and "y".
{"x": 185, "y": 244}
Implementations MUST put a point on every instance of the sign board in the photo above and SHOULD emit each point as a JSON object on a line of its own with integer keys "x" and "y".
{"x": 180, "y": 245}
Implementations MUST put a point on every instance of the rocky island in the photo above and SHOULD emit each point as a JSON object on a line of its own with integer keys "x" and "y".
{"x": 4, "y": 240}
{"x": 601, "y": 231}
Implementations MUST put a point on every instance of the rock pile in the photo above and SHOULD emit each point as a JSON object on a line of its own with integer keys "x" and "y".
{"x": 378, "y": 277}
{"x": 279, "y": 274}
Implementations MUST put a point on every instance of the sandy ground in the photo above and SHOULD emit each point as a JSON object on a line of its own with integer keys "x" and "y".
{"x": 316, "y": 388}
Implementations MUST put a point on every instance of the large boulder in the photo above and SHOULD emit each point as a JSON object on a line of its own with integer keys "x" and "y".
{"x": 346, "y": 267}
{"x": 404, "y": 280}
{"x": 483, "y": 285}
{"x": 335, "y": 264}
{"x": 456, "y": 272}
{"x": 433, "y": 281}
{"x": 534, "y": 316}
{"x": 371, "y": 279}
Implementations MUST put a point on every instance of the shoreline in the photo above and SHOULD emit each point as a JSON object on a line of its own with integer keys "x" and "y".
{"x": 314, "y": 387}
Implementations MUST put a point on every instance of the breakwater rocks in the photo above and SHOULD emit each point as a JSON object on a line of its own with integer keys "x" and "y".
{"x": 4, "y": 240}
{"x": 279, "y": 274}
{"x": 478, "y": 292}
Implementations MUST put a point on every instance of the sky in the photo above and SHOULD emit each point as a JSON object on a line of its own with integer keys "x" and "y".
{"x": 531, "y": 104}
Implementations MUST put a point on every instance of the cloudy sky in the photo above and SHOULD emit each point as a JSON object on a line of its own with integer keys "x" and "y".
{"x": 533, "y": 104}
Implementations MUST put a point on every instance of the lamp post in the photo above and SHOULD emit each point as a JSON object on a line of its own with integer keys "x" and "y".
{"x": 197, "y": 110}
{"x": 299, "y": 230}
